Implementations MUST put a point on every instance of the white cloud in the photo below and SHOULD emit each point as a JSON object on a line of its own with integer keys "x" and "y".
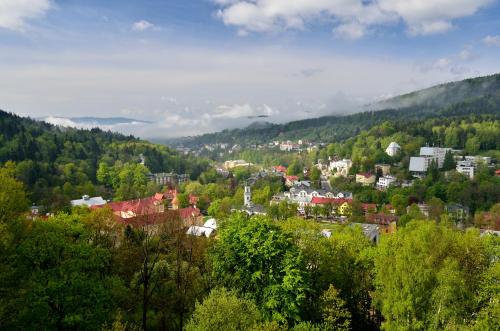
{"x": 233, "y": 111}
{"x": 248, "y": 82}
{"x": 15, "y": 13}
{"x": 492, "y": 40}
{"x": 142, "y": 25}
{"x": 352, "y": 17}
{"x": 351, "y": 30}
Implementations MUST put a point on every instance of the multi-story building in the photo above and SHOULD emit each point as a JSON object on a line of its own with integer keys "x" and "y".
{"x": 340, "y": 167}
{"x": 171, "y": 178}
{"x": 385, "y": 182}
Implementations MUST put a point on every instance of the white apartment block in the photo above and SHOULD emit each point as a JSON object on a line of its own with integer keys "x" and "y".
{"x": 385, "y": 182}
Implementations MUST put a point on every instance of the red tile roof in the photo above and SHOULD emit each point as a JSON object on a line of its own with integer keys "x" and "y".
{"x": 280, "y": 168}
{"x": 369, "y": 206}
{"x": 324, "y": 201}
{"x": 291, "y": 178}
{"x": 365, "y": 174}
{"x": 188, "y": 212}
{"x": 382, "y": 219}
{"x": 193, "y": 199}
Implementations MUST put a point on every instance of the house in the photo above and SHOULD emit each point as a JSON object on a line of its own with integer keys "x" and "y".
{"x": 289, "y": 146}
{"x": 383, "y": 168}
{"x": 369, "y": 208}
{"x": 466, "y": 168}
{"x": 371, "y": 231}
{"x": 170, "y": 179}
{"x": 236, "y": 163}
{"x": 88, "y": 201}
{"x": 175, "y": 204}
{"x": 457, "y": 212}
{"x": 389, "y": 208}
{"x": 343, "y": 205}
{"x": 424, "y": 209}
{"x": 208, "y": 229}
{"x": 365, "y": 179}
{"x": 279, "y": 169}
{"x": 393, "y": 149}
{"x": 340, "y": 167}
{"x": 382, "y": 219}
{"x": 385, "y": 182}
{"x": 190, "y": 216}
{"x": 291, "y": 180}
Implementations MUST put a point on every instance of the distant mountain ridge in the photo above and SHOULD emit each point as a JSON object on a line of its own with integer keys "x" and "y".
{"x": 470, "y": 96}
{"x": 444, "y": 94}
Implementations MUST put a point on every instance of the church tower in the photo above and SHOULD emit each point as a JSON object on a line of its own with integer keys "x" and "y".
{"x": 247, "y": 197}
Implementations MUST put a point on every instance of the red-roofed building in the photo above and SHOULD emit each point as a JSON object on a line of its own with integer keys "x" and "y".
{"x": 193, "y": 200}
{"x": 382, "y": 219}
{"x": 191, "y": 216}
{"x": 151, "y": 212}
{"x": 343, "y": 206}
{"x": 497, "y": 172}
{"x": 333, "y": 201}
{"x": 291, "y": 180}
{"x": 369, "y": 208}
{"x": 280, "y": 169}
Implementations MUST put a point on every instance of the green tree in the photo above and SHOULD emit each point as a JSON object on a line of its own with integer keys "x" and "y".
{"x": 224, "y": 310}
{"x": 258, "y": 258}
{"x": 333, "y": 310}
{"x": 13, "y": 200}
{"x": 426, "y": 276}
{"x": 449, "y": 162}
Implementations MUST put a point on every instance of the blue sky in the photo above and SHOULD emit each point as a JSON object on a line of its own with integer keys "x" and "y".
{"x": 195, "y": 66}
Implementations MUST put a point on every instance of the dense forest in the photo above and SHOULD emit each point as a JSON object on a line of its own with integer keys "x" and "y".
{"x": 58, "y": 164}
{"x": 84, "y": 271}
{"x": 475, "y": 96}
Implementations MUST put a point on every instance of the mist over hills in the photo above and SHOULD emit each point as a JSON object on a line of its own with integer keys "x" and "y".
{"x": 478, "y": 96}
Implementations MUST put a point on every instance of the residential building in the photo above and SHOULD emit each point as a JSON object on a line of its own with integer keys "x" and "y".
{"x": 437, "y": 153}
{"x": 385, "y": 182}
{"x": 365, "y": 179}
{"x": 457, "y": 212}
{"x": 466, "y": 168}
{"x": 88, "y": 201}
{"x": 371, "y": 231}
{"x": 291, "y": 180}
{"x": 424, "y": 209}
{"x": 340, "y": 167}
{"x": 369, "y": 208}
{"x": 382, "y": 219}
{"x": 279, "y": 169}
{"x": 170, "y": 179}
{"x": 208, "y": 229}
{"x": 385, "y": 169}
{"x": 236, "y": 163}
{"x": 393, "y": 149}
{"x": 289, "y": 146}
{"x": 420, "y": 164}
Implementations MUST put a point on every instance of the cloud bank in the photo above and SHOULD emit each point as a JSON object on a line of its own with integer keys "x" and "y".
{"x": 349, "y": 19}
{"x": 15, "y": 13}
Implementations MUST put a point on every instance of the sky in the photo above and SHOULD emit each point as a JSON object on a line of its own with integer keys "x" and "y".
{"x": 196, "y": 66}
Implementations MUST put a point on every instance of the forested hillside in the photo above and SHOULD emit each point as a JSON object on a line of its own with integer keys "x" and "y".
{"x": 57, "y": 164}
{"x": 480, "y": 96}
